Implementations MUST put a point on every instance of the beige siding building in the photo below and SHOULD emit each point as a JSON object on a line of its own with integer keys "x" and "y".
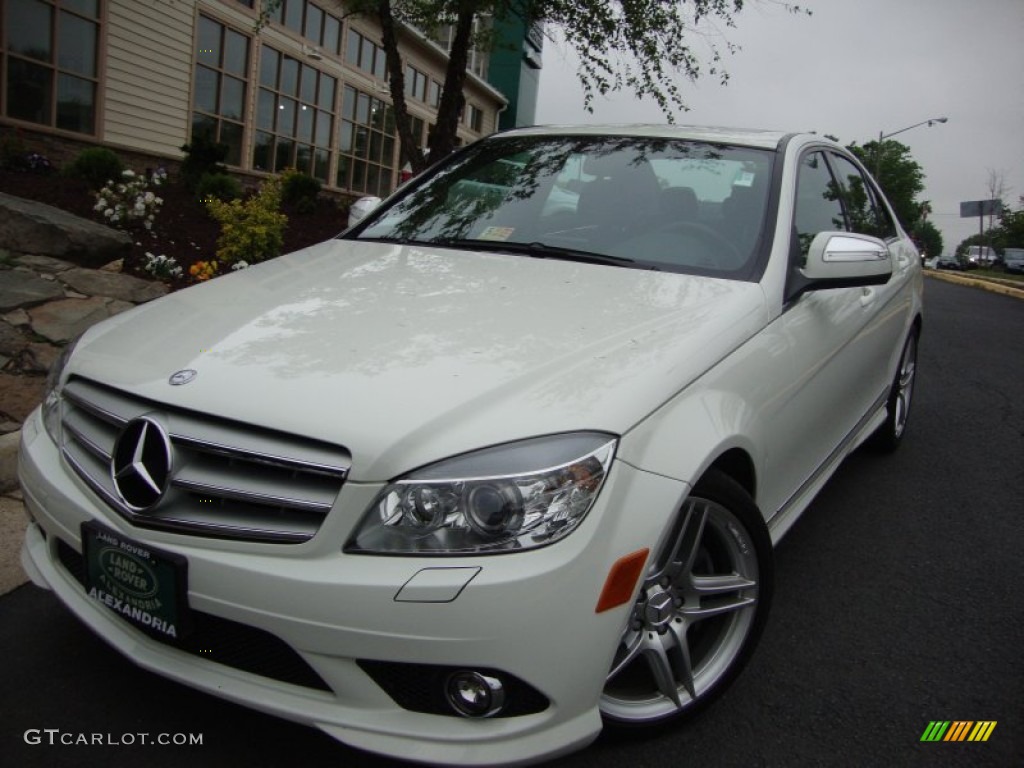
{"x": 308, "y": 91}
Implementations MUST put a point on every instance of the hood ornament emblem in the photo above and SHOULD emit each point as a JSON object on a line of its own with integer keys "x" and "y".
{"x": 182, "y": 377}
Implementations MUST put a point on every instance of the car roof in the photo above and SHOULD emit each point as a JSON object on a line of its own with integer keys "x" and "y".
{"x": 767, "y": 139}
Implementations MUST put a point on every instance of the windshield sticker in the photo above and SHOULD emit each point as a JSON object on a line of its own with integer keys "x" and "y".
{"x": 497, "y": 233}
{"x": 743, "y": 179}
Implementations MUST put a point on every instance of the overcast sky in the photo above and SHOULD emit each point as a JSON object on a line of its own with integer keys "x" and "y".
{"x": 855, "y": 68}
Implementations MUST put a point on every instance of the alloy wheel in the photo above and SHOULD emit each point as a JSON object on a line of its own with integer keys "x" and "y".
{"x": 904, "y": 386}
{"x": 691, "y": 621}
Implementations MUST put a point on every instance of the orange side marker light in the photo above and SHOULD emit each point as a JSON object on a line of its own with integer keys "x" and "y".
{"x": 621, "y": 581}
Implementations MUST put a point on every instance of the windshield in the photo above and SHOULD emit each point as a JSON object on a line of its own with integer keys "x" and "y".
{"x": 652, "y": 203}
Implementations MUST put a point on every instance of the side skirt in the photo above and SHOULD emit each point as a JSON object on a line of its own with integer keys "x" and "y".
{"x": 789, "y": 513}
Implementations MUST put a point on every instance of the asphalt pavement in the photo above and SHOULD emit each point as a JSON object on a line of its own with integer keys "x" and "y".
{"x": 899, "y": 601}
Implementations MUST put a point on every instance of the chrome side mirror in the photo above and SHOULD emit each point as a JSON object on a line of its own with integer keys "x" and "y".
{"x": 848, "y": 259}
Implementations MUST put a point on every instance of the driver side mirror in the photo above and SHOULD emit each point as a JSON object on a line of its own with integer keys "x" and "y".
{"x": 842, "y": 260}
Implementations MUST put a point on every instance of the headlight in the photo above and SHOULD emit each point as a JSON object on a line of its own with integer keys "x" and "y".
{"x": 51, "y": 392}
{"x": 508, "y": 498}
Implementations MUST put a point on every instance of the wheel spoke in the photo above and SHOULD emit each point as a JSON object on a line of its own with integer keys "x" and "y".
{"x": 633, "y": 644}
{"x": 685, "y": 671}
{"x": 901, "y": 409}
{"x": 718, "y": 585}
{"x": 718, "y": 609}
{"x": 687, "y": 543}
{"x": 907, "y": 375}
{"x": 661, "y": 667}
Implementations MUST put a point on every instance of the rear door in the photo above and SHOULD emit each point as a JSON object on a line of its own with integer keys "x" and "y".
{"x": 867, "y": 213}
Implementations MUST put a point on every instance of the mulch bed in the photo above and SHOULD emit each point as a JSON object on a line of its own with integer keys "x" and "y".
{"x": 182, "y": 228}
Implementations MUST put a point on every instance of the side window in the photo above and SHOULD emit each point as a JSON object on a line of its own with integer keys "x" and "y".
{"x": 866, "y": 213}
{"x": 818, "y": 207}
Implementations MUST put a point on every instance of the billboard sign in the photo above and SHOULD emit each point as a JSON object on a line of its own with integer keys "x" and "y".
{"x": 980, "y": 208}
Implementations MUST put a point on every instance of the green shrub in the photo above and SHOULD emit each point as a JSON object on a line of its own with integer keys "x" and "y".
{"x": 202, "y": 156}
{"x": 218, "y": 186}
{"x": 299, "y": 191}
{"x": 97, "y": 165}
{"x": 12, "y": 152}
{"x": 251, "y": 230}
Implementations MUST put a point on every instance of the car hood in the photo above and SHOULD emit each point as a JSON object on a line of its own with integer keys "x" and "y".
{"x": 406, "y": 355}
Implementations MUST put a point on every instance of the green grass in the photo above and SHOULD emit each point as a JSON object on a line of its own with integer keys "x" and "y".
{"x": 1017, "y": 278}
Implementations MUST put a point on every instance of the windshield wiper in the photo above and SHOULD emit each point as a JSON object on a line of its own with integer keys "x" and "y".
{"x": 536, "y": 250}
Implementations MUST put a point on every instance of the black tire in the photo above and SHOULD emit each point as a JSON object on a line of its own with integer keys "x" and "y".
{"x": 888, "y": 437}
{"x": 718, "y": 557}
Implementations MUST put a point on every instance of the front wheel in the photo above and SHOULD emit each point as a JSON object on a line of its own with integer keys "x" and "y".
{"x": 699, "y": 614}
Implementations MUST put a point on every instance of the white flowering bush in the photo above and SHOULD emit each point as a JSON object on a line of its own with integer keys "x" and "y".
{"x": 162, "y": 267}
{"x": 129, "y": 202}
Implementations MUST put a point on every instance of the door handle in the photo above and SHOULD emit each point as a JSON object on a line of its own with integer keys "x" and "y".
{"x": 867, "y": 297}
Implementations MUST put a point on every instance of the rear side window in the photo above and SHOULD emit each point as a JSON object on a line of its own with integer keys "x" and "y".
{"x": 865, "y": 212}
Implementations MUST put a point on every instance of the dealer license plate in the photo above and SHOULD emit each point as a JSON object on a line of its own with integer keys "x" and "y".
{"x": 145, "y": 586}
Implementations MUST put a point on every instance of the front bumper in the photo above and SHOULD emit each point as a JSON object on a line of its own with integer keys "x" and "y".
{"x": 528, "y": 615}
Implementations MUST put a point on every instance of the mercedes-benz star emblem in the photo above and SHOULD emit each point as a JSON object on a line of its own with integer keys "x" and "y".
{"x": 141, "y": 465}
{"x": 182, "y": 377}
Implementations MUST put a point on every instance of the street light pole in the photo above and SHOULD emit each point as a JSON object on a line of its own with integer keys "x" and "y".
{"x": 882, "y": 136}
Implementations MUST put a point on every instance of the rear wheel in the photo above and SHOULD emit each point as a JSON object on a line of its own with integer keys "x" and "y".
{"x": 889, "y": 436}
{"x": 700, "y": 612}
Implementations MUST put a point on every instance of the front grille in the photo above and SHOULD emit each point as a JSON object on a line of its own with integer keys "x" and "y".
{"x": 421, "y": 687}
{"x": 228, "y": 480}
{"x": 224, "y": 641}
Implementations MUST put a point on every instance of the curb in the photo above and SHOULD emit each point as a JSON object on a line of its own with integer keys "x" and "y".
{"x": 1001, "y": 287}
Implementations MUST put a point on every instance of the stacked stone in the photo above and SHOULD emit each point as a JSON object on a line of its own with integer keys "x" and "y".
{"x": 59, "y": 274}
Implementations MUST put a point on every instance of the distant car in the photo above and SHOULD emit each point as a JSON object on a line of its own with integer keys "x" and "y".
{"x": 932, "y": 263}
{"x": 483, "y": 474}
{"x": 948, "y": 262}
{"x": 1013, "y": 260}
{"x": 981, "y": 256}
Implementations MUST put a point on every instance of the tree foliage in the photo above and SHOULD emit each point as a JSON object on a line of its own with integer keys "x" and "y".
{"x": 648, "y": 47}
{"x": 899, "y": 175}
{"x": 928, "y": 238}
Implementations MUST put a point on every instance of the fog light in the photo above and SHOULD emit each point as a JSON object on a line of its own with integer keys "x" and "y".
{"x": 474, "y": 695}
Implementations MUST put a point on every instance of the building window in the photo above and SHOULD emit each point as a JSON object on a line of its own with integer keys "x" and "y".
{"x": 474, "y": 117}
{"x": 367, "y": 144}
{"x": 49, "y": 58}
{"x": 331, "y": 39}
{"x": 478, "y": 59}
{"x": 222, "y": 74}
{"x": 312, "y": 22}
{"x": 416, "y": 84}
{"x": 289, "y": 13}
{"x": 421, "y": 132}
{"x": 295, "y": 111}
{"x": 363, "y": 53}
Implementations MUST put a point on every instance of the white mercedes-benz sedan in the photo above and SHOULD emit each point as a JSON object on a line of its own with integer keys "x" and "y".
{"x": 501, "y": 465}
